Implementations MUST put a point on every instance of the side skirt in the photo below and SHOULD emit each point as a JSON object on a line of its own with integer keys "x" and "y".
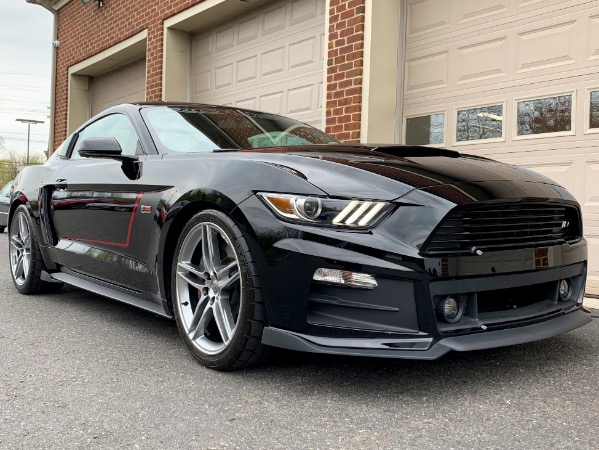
{"x": 151, "y": 303}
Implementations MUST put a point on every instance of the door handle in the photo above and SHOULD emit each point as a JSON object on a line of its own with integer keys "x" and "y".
{"x": 60, "y": 184}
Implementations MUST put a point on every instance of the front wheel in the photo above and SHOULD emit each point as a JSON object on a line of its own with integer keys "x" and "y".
{"x": 216, "y": 293}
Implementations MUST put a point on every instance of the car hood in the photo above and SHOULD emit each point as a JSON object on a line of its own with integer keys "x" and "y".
{"x": 387, "y": 172}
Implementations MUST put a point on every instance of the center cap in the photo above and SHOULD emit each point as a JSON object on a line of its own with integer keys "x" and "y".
{"x": 212, "y": 284}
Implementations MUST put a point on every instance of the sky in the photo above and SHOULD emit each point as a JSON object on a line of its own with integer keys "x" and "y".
{"x": 25, "y": 65}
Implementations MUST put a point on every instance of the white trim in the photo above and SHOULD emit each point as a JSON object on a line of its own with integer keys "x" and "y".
{"x": 549, "y": 94}
{"x": 454, "y": 139}
{"x": 205, "y": 14}
{"x": 172, "y": 21}
{"x": 60, "y": 3}
{"x": 85, "y": 67}
{"x": 587, "y": 111}
{"x": 325, "y": 66}
{"x": 367, "y": 54}
{"x": 431, "y": 113}
{"x": 401, "y": 71}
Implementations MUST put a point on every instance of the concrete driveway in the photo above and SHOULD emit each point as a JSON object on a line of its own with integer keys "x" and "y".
{"x": 81, "y": 371}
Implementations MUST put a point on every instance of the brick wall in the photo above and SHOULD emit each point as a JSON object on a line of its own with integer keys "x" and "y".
{"x": 84, "y": 31}
{"x": 344, "y": 69}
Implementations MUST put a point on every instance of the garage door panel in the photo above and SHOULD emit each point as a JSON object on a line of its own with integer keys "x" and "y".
{"x": 123, "y": 85}
{"x": 271, "y": 59}
{"x": 481, "y": 61}
{"x": 591, "y": 198}
{"x": 543, "y": 44}
{"x": 462, "y": 54}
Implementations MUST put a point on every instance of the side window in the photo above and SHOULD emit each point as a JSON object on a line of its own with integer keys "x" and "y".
{"x": 6, "y": 190}
{"x": 117, "y": 126}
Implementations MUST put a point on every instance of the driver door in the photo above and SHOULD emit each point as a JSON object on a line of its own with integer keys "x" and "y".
{"x": 94, "y": 206}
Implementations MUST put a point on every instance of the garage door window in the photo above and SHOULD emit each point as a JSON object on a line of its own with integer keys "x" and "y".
{"x": 545, "y": 115}
{"x": 594, "y": 109}
{"x": 484, "y": 123}
{"x": 426, "y": 130}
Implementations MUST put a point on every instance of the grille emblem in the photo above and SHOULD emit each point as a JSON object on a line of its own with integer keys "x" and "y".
{"x": 565, "y": 224}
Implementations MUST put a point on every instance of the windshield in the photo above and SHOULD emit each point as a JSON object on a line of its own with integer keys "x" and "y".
{"x": 208, "y": 129}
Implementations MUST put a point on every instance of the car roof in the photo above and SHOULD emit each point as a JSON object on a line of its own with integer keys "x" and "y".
{"x": 192, "y": 105}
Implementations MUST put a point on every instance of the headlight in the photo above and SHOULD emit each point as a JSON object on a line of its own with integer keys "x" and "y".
{"x": 327, "y": 211}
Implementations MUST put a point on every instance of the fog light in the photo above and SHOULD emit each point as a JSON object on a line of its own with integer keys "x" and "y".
{"x": 450, "y": 309}
{"x": 345, "y": 278}
{"x": 565, "y": 290}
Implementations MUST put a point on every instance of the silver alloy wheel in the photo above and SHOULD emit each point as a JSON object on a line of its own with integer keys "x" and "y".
{"x": 209, "y": 287}
{"x": 20, "y": 248}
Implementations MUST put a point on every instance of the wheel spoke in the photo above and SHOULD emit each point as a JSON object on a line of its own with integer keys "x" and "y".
{"x": 19, "y": 267}
{"x": 189, "y": 267}
{"x": 190, "y": 280}
{"x": 225, "y": 270}
{"x": 226, "y": 283}
{"x": 210, "y": 251}
{"x": 23, "y": 229}
{"x": 224, "y": 319}
{"x": 26, "y": 260}
{"x": 207, "y": 312}
{"x": 203, "y": 324}
{"x": 16, "y": 242}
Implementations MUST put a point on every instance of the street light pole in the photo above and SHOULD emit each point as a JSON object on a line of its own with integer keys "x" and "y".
{"x": 29, "y": 122}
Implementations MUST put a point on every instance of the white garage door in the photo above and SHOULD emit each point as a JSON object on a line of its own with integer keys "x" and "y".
{"x": 123, "y": 85}
{"x": 270, "y": 59}
{"x": 514, "y": 80}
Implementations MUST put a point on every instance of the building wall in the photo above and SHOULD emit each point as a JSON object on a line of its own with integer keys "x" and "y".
{"x": 85, "y": 30}
{"x": 345, "y": 69}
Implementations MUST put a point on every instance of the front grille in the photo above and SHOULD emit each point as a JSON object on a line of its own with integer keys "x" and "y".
{"x": 503, "y": 226}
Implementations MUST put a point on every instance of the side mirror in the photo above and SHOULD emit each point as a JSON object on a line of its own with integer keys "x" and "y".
{"x": 103, "y": 147}
{"x": 100, "y": 147}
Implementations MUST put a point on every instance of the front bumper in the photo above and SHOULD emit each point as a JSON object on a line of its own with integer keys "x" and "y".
{"x": 424, "y": 348}
{"x": 398, "y": 318}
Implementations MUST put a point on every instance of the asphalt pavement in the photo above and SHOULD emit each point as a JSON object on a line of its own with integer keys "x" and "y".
{"x": 81, "y": 371}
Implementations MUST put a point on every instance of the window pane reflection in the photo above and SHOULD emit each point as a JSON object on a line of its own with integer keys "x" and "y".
{"x": 423, "y": 130}
{"x": 480, "y": 123}
{"x": 545, "y": 115}
{"x": 594, "y": 110}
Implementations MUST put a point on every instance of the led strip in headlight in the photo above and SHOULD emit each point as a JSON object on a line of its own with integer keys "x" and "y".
{"x": 327, "y": 211}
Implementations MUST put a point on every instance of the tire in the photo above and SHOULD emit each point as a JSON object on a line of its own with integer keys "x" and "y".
{"x": 217, "y": 300}
{"x": 25, "y": 258}
{"x": 2, "y": 229}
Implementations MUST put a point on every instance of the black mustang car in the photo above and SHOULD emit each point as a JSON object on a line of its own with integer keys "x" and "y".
{"x": 256, "y": 231}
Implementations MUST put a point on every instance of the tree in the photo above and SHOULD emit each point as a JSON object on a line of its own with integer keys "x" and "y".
{"x": 11, "y": 162}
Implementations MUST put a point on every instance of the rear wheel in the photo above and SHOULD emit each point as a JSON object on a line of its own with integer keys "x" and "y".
{"x": 26, "y": 263}
{"x": 216, "y": 293}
